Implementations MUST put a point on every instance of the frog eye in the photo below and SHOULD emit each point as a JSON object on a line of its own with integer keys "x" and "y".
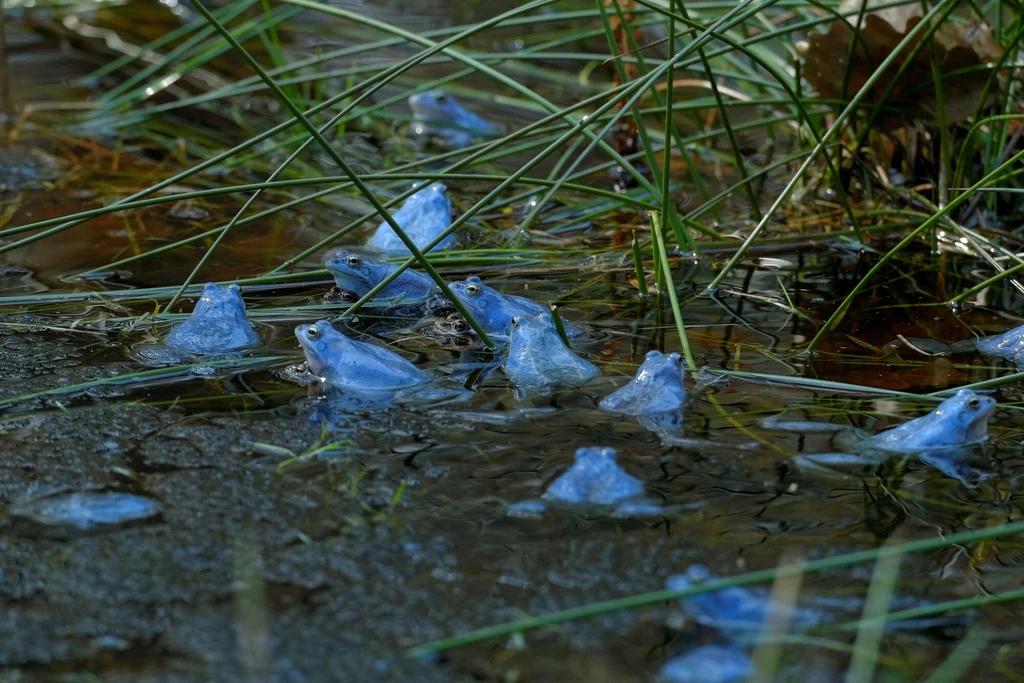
{"x": 352, "y": 261}
{"x": 312, "y": 332}
{"x": 974, "y": 403}
{"x": 460, "y": 326}
{"x": 472, "y": 289}
{"x": 440, "y": 97}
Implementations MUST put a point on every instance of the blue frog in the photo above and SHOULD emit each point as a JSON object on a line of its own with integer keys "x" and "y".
{"x": 595, "y": 478}
{"x": 217, "y": 325}
{"x": 942, "y": 439}
{"x": 538, "y": 360}
{"x": 341, "y": 364}
{"x": 437, "y": 114}
{"x": 494, "y": 310}
{"x": 657, "y": 388}
{"x": 735, "y": 611}
{"x": 423, "y": 216}
{"x": 359, "y": 274}
{"x": 217, "y": 329}
{"x": 1009, "y": 345}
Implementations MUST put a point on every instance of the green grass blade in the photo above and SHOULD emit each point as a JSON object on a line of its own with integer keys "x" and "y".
{"x": 338, "y": 159}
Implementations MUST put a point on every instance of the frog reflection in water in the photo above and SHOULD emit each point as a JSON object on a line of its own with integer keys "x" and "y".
{"x": 941, "y": 438}
{"x": 437, "y": 114}
{"x": 343, "y": 365}
{"x": 494, "y": 310}
{"x": 423, "y": 216}
{"x": 359, "y": 274}
{"x": 655, "y": 396}
{"x": 538, "y": 358}
{"x": 217, "y": 327}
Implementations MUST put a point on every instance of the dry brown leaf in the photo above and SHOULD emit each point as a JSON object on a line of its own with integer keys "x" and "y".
{"x": 958, "y": 44}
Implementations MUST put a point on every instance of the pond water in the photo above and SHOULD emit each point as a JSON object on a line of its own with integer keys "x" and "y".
{"x": 224, "y": 525}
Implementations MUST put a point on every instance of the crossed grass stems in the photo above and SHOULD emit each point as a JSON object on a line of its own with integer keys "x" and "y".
{"x": 709, "y": 39}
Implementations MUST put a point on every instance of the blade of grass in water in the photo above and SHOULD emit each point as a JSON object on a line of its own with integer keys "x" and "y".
{"x": 597, "y": 139}
{"x": 638, "y": 266}
{"x": 960, "y": 660}
{"x": 657, "y": 226}
{"x": 832, "y": 131}
{"x": 872, "y": 624}
{"x": 143, "y": 377}
{"x": 633, "y": 87}
{"x": 340, "y": 161}
{"x": 382, "y": 80}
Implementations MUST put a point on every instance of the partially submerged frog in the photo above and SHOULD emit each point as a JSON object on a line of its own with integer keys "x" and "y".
{"x": 437, "y": 114}
{"x": 539, "y": 360}
{"x": 359, "y": 274}
{"x": 494, "y": 310}
{"x": 453, "y": 332}
{"x": 941, "y": 438}
{"x": 594, "y": 479}
{"x": 217, "y": 327}
{"x": 655, "y": 396}
{"x": 423, "y": 216}
{"x": 739, "y": 612}
{"x": 735, "y": 611}
{"x": 87, "y": 510}
{"x": 960, "y": 420}
{"x": 657, "y": 388}
{"x": 341, "y": 364}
